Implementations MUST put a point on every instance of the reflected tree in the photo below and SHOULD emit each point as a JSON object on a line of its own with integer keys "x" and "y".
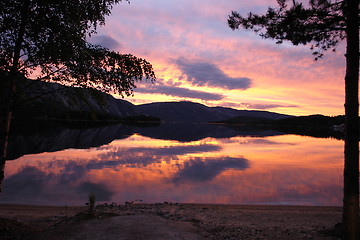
{"x": 324, "y": 24}
{"x": 47, "y": 41}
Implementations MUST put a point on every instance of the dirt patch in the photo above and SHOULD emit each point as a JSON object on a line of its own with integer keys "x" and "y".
{"x": 141, "y": 227}
{"x": 174, "y": 221}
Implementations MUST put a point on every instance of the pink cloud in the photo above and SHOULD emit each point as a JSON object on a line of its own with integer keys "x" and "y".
{"x": 161, "y": 31}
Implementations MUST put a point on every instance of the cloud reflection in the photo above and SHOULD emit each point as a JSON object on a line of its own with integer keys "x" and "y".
{"x": 101, "y": 191}
{"x": 28, "y": 182}
{"x": 283, "y": 170}
{"x": 145, "y": 155}
{"x": 33, "y": 184}
{"x": 201, "y": 170}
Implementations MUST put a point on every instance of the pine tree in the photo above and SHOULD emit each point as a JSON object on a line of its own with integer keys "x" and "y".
{"x": 324, "y": 24}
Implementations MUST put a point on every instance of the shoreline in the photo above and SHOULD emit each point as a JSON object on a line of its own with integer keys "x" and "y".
{"x": 208, "y": 221}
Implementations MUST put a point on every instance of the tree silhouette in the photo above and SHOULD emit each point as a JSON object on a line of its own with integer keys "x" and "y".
{"x": 324, "y": 23}
{"x": 48, "y": 39}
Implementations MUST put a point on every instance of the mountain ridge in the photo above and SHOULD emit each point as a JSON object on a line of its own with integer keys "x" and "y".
{"x": 185, "y": 111}
{"x": 71, "y": 103}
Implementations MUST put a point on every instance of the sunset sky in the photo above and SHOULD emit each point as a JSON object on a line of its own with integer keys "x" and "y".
{"x": 198, "y": 58}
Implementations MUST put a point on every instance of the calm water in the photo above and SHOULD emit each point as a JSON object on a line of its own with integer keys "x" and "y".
{"x": 173, "y": 163}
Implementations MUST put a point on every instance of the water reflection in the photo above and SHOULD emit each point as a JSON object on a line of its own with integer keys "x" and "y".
{"x": 57, "y": 138}
{"x": 201, "y": 170}
{"x": 119, "y": 163}
{"x": 32, "y": 185}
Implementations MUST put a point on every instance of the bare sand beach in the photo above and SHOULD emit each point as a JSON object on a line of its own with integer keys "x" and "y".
{"x": 169, "y": 221}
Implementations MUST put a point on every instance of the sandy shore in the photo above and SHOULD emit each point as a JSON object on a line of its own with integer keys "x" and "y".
{"x": 169, "y": 221}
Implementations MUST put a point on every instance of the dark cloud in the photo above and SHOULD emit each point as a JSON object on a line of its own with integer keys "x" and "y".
{"x": 202, "y": 170}
{"x": 181, "y": 92}
{"x": 207, "y": 74}
{"x": 105, "y": 41}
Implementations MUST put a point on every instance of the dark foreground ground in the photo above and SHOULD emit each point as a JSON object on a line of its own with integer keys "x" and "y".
{"x": 168, "y": 221}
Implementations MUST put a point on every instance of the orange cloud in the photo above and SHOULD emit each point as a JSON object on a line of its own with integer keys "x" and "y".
{"x": 281, "y": 75}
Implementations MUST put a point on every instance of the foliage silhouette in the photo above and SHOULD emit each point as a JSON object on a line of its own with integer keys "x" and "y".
{"x": 324, "y": 23}
{"x": 47, "y": 40}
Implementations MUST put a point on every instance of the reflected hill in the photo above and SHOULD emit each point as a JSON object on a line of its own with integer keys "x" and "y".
{"x": 188, "y": 132}
{"x": 317, "y": 125}
{"x": 50, "y": 137}
{"x": 56, "y": 136}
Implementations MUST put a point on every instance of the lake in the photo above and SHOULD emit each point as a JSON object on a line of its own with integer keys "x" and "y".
{"x": 187, "y": 163}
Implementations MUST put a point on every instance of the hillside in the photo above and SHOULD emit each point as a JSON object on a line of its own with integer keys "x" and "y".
{"x": 196, "y": 112}
{"x": 313, "y": 125}
{"x": 69, "y": 103}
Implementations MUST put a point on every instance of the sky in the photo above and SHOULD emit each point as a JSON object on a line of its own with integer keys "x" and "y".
{"x": 197, "y": 57}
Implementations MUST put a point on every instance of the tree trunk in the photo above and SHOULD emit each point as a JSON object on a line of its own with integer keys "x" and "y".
{"x": 4, "y": 137}
{"x": 351, "y": 165}
{"x": 8, "y": 94}
{"x": 9, "y": 88}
